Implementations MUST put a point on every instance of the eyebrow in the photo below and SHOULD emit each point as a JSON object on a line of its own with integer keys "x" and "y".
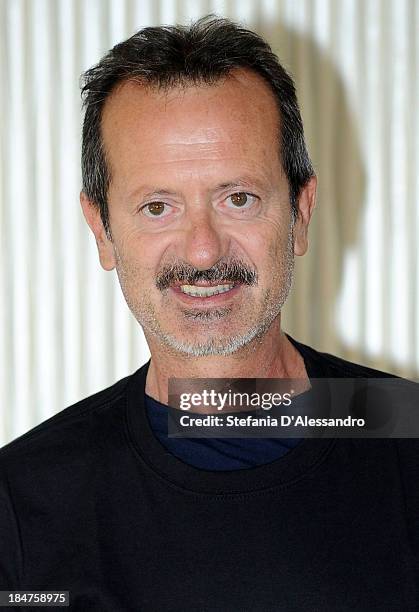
{"x": 147, "y": 191}
{"x": 237, "y": 183}
{"x": 157, "y": 192}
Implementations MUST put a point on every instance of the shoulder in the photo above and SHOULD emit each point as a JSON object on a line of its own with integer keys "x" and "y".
{"x": 52, "y": 466}
{"x": 335, "y": 366}
{"x": 64, "y": 431}
{"x": 349, "y": 368}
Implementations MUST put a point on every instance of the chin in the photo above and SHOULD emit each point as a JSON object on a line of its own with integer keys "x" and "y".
{"x": 219, "y": 345}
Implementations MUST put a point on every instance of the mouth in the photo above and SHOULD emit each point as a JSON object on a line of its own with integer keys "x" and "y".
{"x": 203, "y": 291}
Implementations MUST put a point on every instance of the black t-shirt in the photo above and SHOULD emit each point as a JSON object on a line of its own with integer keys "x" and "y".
{"x": 92, "y": 503}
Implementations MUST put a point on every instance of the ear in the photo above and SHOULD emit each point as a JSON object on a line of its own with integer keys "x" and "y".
{"x": 104, "y": 244}
{"x": 305, "y": 208}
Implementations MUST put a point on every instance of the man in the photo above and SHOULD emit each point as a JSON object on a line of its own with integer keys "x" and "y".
{"x": 199, "y": 191}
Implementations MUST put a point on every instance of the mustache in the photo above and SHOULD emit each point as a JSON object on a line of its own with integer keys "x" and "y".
{"x": 232, "y": 271}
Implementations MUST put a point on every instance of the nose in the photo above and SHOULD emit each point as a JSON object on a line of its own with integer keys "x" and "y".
{"x": 202, "y": 243}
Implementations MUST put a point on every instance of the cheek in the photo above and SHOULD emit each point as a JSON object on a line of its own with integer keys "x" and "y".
{"x": 263, "y": 243}
{"x": 275, "y": 260}
{"x": 137, "y": 253}
{"x": 252, "y": 241}
{"x": 134, "y": 270}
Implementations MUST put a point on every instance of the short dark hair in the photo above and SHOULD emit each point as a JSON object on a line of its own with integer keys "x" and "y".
{"x": 169, "y": 56}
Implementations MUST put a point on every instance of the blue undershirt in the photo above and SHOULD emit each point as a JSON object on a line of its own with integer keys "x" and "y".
{"x": 221, "y": 454}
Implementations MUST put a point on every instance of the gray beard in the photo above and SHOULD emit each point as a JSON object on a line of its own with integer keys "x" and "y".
{"x": 220, "y": 346}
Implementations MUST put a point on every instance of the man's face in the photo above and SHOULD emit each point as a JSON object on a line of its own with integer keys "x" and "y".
{"x": 202, "y": 232}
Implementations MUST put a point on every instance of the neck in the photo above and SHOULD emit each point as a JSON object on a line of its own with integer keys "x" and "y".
{"x": 272, "y": 356}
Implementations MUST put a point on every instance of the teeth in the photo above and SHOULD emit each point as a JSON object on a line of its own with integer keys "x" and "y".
{"x": 196, "y": 291}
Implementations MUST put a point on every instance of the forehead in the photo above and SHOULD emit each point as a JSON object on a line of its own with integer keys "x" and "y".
{"x": 236, "y": 116}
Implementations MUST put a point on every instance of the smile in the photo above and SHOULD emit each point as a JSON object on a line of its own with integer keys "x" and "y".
{"x": 200, "y": 291}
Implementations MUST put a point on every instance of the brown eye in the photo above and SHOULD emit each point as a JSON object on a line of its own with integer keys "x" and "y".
{"x": 155, "y": 209}
{"x": 243, "y": 200}
{"x": 239, "y": 199}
